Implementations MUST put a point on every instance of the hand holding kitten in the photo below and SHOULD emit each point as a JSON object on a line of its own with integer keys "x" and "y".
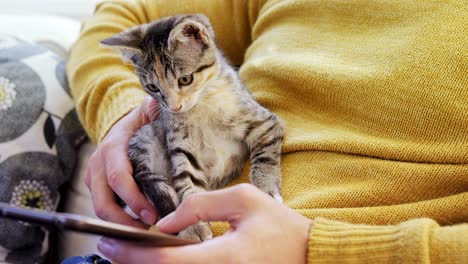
{"x": 109, "y": 171}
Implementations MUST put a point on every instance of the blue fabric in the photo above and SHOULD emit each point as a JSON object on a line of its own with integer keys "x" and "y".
{"x": 75, "y": 260}
{"x": 89, "y": 259}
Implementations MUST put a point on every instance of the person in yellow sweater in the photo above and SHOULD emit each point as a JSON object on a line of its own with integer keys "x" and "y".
{"x": 375, "y": 102}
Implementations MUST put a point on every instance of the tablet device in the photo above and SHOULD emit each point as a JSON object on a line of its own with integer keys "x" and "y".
{"x": 83, "y": 224}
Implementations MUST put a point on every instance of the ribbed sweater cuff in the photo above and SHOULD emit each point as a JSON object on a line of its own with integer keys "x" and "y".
{"x": 338, "y": 242}
{"x": 116, "y": 107}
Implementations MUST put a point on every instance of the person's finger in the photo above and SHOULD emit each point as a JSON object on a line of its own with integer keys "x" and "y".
{"x": 104, "y": 203}
{"x": 127, "y": 126}
{"x": 229, "y": 205}
{"x": 124, "y": 252}
{"x": 141, "y": 115}
{"x": 119, "y": 175}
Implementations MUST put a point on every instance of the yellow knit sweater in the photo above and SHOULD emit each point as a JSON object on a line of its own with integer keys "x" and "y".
{"x": 374, "y": 95}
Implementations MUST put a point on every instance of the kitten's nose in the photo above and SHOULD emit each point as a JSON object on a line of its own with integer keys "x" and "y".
{"x": 176, "y": 108}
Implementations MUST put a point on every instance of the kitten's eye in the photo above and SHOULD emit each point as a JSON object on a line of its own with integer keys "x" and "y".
{"x": 185, "y": 80}
{"x": 152, "y": 88}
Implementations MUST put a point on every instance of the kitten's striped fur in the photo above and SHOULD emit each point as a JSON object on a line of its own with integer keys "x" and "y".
{"x": 206, "y": 130}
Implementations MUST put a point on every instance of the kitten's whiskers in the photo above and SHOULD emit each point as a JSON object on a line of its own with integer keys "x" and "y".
{"x": 144, "y": 71}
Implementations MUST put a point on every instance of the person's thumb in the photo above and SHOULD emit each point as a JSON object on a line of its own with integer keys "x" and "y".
{"x": 229, "y": 205}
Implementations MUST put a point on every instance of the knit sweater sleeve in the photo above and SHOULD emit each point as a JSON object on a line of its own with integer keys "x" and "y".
{"x": 104, "y": 88}
{"x": 414, "y": 241}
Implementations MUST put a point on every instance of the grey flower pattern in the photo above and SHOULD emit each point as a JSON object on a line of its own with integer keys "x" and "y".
{"x": 32, "y": 193}
{"x": 7, "y": 93}
{"x": 15, "y": 172}
{"x": 30, "y": 177}
{"x": 30, "y": 97}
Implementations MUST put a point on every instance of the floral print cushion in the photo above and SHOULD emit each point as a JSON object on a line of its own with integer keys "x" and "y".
{"x": 39, "y": 133}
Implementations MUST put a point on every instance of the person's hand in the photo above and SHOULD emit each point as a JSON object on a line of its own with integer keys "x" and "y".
{"x": 262, "y": 231}
{"x": 109, "y": 170}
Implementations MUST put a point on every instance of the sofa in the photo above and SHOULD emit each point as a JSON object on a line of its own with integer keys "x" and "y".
{"x": 55, "y": 26}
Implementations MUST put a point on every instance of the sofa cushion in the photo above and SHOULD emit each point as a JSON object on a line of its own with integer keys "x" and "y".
{"x": 54, "y": 32}
{"x": 39, "y": 135}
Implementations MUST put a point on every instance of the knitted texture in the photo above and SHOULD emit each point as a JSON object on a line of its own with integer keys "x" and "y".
{"x": 409, "y": 242}
{"x": 374, "y": 97}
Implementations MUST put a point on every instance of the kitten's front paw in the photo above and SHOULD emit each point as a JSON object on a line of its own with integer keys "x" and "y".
{"x": 275, "y": 194}
{"x": 198, "y": 232}
{"x": 277, "y": 197}
{"x": 272, "y": 190}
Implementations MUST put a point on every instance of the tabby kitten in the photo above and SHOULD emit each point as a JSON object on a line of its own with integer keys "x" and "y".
{"x": 209, "y": 124}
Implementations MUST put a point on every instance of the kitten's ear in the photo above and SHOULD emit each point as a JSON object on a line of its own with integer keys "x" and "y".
{"x": 129, "y": 42}
{"x": 194, "y": 29}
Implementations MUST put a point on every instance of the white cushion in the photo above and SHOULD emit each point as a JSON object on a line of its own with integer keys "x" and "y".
{"x": 38, "y": 136}
{"x": 54, "y": 32}
{"x": 58, "y": 34}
